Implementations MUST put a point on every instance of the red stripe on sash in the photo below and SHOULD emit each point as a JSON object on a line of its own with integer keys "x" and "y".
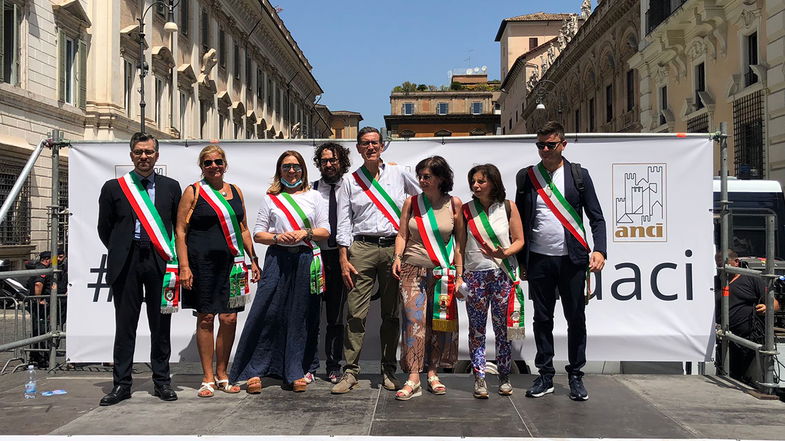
{"x": 143, "y": 220}
{"x": 555, "y": 210}
{"x": 375, "y": 201}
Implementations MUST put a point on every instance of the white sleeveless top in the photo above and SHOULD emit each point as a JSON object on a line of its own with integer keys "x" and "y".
{"x": 473, "y": 258}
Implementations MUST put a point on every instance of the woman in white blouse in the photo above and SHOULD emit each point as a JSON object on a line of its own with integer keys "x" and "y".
{"x": 494, "y": 237}
{"x": 280, "y": 334}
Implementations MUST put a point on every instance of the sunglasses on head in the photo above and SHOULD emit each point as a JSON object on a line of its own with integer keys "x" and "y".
{"x": 550, "y": 144}
{"x": 295, "y": 167}
{"x": 209, "y": 162}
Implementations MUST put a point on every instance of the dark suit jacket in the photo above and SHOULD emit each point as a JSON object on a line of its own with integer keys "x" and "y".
{"x": 117, "y": 220}
{"x": 526, "y": 199}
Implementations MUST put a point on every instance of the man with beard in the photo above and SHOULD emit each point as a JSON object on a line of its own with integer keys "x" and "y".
{"x": 332, "y": 160}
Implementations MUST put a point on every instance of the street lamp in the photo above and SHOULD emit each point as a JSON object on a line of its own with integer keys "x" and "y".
{"x": 170, "y": 27}
{"x": 542, "y": 93}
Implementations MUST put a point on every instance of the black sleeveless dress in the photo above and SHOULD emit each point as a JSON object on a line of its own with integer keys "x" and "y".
{"x": 209, "y": 259}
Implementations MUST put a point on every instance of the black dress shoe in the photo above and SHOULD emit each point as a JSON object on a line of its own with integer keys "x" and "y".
{"x": 165, "y": 392}
{"x": 118, "y": 394}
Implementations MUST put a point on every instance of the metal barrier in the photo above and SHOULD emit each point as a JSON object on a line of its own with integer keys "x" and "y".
{"x": 767, "y": 351}
{"x": 25, "y": 329}
{"x": 42, "y": 338}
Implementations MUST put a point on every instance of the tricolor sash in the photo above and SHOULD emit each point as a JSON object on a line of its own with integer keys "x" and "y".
{"x": 562, "y": 209}
{"x": 289, "y": 206}
{"x": 378, "y": 195}
{"x": 445, "y": 310}
{"x": 482, "y": 231}
{"x": 239, "y": 289}
{"x": 163, "y": 243}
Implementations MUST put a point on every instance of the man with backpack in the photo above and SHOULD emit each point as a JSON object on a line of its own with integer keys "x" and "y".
{"x": 552, "y": 196}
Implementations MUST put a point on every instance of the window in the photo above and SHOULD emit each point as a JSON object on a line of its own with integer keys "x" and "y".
{"x": 184, "y": 97}
{"x": 700, "y": 84}
{"x": 9, "y": 46}
{"x": 159, "y": 93}
{"x": 129, "y": 72}
{"x": 236, "y": 61}
{"x": 204, "y": 111}
{"x": 750, "y": 77}
{"x": 408, "y": 108}
{"x": 15, "y": 228}
{"x": 184, "y": 7}
{"x": 279, "y": 102}
{"x": 750, "y": 141}
{"x": 205, "y": 25}
{"x": 630, "y": 90}
{"x": 663, "y": 103}
{"x": 609, "y": 103}
{"x": 577, "y": 120}
{"x": 221, "y": 125}
{"x": 591, "y": 115}
{"x": 222, "y": 48}
{"x": 248, "y": 74}
{"x": 442, "y": 108}
{"x": 533, "y": 43}
{"x": 477, "y": 108}
{"x": 259, "y": 86}
{"x": 270, "y": 96}
{"x": 69, "y": 74}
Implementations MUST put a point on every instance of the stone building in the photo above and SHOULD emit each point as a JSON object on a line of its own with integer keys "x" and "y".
{"x": 589, "y": 86}
{"x": 232, "y": 70}
{"x": 467, "y": 108}
{"x": 528, "y": 44}
{"x": 702, "y": 63}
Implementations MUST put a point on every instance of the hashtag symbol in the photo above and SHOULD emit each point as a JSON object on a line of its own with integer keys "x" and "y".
{"x": 99, "y": 281}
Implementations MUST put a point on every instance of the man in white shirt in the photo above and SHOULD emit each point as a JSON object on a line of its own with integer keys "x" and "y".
{"x": 332, "y": 160}
{"x": 552, "y": 196}
{"x": 369, "y": 211}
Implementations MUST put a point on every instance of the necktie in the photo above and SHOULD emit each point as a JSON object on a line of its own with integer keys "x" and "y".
{"x": 333, "y": 217}
{"x": 144, "y": 238}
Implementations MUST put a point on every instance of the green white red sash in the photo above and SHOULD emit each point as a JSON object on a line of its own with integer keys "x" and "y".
{"x": 445, "y": 310}
{"x": 563, "y": 211}
{"x": 482, "y": 231}
{"x": 378, "y": 195}
{"x": 162, "y": 242}
{"x": 239, "y": 289}
{"x": 289, "y": 206}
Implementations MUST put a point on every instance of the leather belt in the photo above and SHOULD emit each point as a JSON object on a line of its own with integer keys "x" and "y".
{"x": 382, "y": 241}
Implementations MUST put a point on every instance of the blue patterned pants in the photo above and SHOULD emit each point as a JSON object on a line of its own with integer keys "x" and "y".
{"x": 488, "y": 288}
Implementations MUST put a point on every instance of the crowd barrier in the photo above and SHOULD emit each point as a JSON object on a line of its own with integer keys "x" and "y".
{"x": 27, "y": 318}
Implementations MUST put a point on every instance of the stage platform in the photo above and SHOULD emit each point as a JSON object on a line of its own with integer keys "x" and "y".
{"x": 620, "y": 406}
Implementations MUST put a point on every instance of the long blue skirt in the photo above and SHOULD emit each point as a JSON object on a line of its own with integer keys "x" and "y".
{"x": 279, "y": 338}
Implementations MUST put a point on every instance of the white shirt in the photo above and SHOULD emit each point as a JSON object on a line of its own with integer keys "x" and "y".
{"x": 357, "y": 214}
{"x": 473, "y": 258}
{"x": 324, "y": 190}
{"x": 272, "y": 219}
{"x": 547, "y": 232}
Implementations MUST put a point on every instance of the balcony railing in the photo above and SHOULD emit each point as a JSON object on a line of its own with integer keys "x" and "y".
{"x": 750, "y": 78}
{"x": 659, "y": 10}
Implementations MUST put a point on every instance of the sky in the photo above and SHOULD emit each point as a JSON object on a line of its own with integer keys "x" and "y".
{"x": 361, "y": 49}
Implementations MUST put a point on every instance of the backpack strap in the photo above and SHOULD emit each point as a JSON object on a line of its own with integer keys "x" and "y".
{"x": 577, "y": 176}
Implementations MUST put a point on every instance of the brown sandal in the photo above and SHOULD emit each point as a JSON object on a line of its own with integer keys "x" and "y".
{"x": 254, "y": 385}
{"x": 300, "y": 385}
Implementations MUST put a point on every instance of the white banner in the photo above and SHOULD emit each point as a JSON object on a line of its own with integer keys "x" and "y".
{"x": 654, "y": 299}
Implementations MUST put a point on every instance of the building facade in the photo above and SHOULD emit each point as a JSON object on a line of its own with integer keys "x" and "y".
{"x": 469, "y": 110}
{"x": 231, "y": 71}
{"x": 589, "y": 86}
{"x": 529, "y": 44}
{"x": 705, "y": 63}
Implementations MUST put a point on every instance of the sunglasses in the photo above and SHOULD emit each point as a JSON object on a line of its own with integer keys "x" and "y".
{"x": 295, "y": 167}
{"x": 208, "y": 162}
{"x": 550, "y": 144}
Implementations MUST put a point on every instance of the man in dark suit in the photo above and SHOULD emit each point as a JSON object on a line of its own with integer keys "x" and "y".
{"x": 135, "y": 267}
{"x": 556, "y": 254}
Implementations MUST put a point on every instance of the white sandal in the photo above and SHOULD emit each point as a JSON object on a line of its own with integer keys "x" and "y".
{"x": 209, "y": 387}
{"x": 404, "y": 395}
{"x": 224, "y": 385}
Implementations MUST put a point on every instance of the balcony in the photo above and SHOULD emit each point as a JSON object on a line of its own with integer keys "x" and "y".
{"x": 659, "y": 11}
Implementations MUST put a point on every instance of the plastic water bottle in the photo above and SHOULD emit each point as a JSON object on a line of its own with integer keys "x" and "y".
{"x": 31, "y": 387}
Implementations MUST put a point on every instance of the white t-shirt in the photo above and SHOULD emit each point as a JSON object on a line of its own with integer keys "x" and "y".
{"x": 272, "y": 219}
{"x": 474, "y": 259}
{"x": 547, "y": 232}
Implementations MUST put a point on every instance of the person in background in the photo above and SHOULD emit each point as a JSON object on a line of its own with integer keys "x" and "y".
{"x": 212, "y": 242}
{"x": 333, "y": 162}
{"x": 279, "y": 338}
{"x": 40, "y": 288}
{"x": 494, "y": 236}
{"x": 428, "y": 261}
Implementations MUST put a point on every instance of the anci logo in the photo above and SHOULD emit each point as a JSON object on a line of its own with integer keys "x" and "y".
{"x": 639, "y": 210}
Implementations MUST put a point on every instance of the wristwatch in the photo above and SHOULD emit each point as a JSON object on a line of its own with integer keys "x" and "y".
{"x": 275, "y": 238}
